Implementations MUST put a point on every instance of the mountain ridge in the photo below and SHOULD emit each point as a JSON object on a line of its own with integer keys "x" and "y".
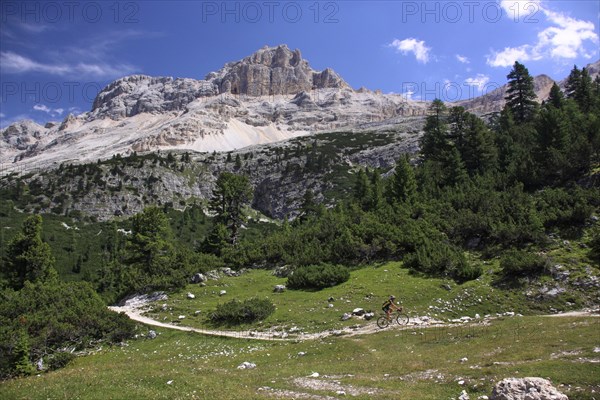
{"x": 268, "y": 96}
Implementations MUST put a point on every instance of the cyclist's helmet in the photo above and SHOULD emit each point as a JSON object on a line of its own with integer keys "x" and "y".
{"x": 392, "y": 297}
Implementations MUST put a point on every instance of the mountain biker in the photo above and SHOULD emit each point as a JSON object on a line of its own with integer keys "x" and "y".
{"x": 389, "y": 305}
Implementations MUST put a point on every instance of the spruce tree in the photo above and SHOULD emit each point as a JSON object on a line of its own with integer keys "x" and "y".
{"x": 477, "y": 148}
{"x": 28, "y": 258}
{"x": 376, "y": 190}
{"x": 362, "y": 190}
{"x": 520, "y": 98}
{"x": 433, "y": 142}
{"x": 231, "y": 193}
{"x": 403, "y": 184}
{"x": 556, "y": 98}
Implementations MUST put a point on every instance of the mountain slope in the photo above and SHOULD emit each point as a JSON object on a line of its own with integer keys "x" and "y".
{"x": 269, "y": 96}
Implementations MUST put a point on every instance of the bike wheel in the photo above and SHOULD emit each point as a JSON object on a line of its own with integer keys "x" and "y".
{"x": 402, "y": 319}
{"x": 382, "y": 322}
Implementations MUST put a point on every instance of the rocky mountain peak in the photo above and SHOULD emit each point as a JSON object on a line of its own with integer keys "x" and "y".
{"x": 273, "y": 71}
{"x": 269, "y": 71}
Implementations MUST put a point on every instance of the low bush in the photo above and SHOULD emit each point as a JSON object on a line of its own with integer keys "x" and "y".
{"x": 440, "y": 259}
{"x": 318, "y": 276}
{"x": 59, "y": 360}
{"x": 239, "y": 312}
{"x": 522, "y": 263}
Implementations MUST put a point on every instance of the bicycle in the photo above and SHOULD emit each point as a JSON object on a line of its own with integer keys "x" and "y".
{"x": 401, "y": 319}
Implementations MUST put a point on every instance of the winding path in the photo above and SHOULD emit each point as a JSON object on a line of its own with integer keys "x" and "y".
{"x": 135, "y": 313}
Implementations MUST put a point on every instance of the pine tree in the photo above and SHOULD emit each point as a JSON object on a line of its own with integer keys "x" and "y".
{"x": 520, "y": 94}
{"x": 362, "y": 190}
{"x": 433, "y": 142}
{"x": 376, "y": 190}
{"x": 149, "y": 247}
{"x": 573, "y": 82}
{"x": 238, "y": 162}
{"x": 28, "y": 258}
{"x": 231, "y": 193}
{"x": 21, "y": 363}
{"x": 403, "y": 184}
{"x": 556, "y": 98}
{"x": 454, "y": 168}
{"x": 477, "y": 148}
{"x": 584, "y": 96}
{"x": 553, "y": 141}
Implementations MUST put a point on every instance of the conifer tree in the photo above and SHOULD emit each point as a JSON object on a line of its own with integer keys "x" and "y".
{"x": 231, "y": 193}
{"x": 28, "y": 258}
{"x": 403, "y": 184}
{"x": 556, "y": 98}
{"x": 520, "y": 98}
{"x": 433, "y": 143}
{"x": 362, "y": 190}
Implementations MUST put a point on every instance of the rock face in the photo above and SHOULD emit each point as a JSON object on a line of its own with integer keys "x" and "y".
{"x": 269, "y": 96}
{"x": 22, "y": 136}
{"x": 526, "y": 389}
{"x": 269, "y": 71}
{"x": 273, "y": 71}
{"x": 138, "y": 94}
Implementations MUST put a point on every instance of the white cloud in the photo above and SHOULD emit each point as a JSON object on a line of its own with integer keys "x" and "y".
{"x": 565, "y": 38}
{"x": 462, "y": 59}
{"x": 34, "y": 28}
{"x": 479, "y": 81}
{"x": 16, "y": 64}
{"x": 41, "y": 107}
{"x": 518, "y": 10}
{"x": 2, "y": 115}
{"x": 54, "y": 112}
{"x": 509, "y": 55}
{"x": 412, "y": 45}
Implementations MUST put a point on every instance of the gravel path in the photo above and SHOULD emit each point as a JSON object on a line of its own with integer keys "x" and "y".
{"x": 135, "y": 313}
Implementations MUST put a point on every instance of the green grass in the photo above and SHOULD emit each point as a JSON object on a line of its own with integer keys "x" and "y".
{"x": 419, "y": 364}
{"x": 367, "y": 288}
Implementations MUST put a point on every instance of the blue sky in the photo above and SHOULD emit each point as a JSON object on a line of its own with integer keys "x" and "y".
{"x": 55, "y": 56}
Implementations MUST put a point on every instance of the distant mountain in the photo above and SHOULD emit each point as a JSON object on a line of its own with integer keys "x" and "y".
{"x": 268, "y": 96}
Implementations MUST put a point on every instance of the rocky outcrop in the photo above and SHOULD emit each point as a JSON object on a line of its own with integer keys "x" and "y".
{"x": 138, "y": 94}
{"x": 526, "y": 389}
{"x": 23, "y": 134}
{"x": 273, "y": 71}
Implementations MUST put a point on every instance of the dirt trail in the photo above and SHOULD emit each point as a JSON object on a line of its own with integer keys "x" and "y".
{"x": 135, "y": 313}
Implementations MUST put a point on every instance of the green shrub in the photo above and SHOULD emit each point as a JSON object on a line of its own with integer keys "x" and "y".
{"x": 441, "y": 259}
{"x": 318, "y": 276}
{"x": 595, "y": 243}
{"x": 467, "y": 272}
{"x": 43, "y": 318}
{"x": 522, "y": 263}
{"x": 59, "y": 360}
{"x": 239, "y": 312}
